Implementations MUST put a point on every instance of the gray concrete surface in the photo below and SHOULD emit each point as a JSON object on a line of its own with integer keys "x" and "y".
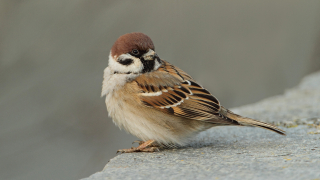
{"x": 241, "y": 152}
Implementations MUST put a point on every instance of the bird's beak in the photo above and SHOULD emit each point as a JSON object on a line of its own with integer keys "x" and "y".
{"x": 150, "y": 55}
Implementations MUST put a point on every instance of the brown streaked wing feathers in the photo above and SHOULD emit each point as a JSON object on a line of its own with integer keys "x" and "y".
{"x": 180, "y": 94}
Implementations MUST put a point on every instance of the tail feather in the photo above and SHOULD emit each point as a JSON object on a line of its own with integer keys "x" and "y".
{"x": 244, "y": 121}
{"x": 251, "y": 122}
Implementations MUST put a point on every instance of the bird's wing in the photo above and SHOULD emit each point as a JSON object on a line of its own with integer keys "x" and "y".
{"x": 172, "y": 91}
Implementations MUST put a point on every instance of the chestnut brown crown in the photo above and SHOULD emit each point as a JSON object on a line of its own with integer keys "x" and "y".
{"x": 128, "y": 42}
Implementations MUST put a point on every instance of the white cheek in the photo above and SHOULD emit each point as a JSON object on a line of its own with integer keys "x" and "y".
{"x": 135, "y": 67}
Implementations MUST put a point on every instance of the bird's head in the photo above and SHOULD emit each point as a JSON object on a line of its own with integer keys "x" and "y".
{"x": 133, "y": 53}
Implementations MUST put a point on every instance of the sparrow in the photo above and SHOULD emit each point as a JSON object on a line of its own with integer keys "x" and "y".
{"x": 157, "y": 101}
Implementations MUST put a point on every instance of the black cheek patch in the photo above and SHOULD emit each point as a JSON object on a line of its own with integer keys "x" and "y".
{"x": 126, "y": 62}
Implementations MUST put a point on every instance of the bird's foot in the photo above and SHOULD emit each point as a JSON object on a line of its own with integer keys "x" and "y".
{"x": 147, "y": 146}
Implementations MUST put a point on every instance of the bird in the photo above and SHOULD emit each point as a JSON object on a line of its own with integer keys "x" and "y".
{"x": 157, "y": 101}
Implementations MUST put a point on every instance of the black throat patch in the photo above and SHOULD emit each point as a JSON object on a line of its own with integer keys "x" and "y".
{"x": 148, "y": 66}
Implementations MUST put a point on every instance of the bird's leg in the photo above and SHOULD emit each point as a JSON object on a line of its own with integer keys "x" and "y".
{"x": 138, "y": 141}
{"x": 150, "y": 145}
{"x": 147, "y": 146}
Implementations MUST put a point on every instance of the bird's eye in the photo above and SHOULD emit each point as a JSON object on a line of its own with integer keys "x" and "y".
{"x": 135, "y": 52}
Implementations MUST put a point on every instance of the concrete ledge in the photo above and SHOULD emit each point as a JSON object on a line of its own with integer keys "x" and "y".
{"x": 241, "y": 152}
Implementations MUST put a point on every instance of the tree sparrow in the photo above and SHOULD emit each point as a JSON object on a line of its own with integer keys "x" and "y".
{"x": 158, "y": 102}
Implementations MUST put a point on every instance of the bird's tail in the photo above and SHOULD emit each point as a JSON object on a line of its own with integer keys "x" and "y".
{"x": 244, "y": 121}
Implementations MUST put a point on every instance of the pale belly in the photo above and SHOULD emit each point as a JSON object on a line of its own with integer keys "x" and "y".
{"x": 147, "y": 123}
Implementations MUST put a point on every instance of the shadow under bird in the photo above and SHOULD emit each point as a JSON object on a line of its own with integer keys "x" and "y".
{"x": 158, "y": 102}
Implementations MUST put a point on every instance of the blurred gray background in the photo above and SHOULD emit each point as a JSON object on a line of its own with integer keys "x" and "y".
{"x": 54, "y": 125}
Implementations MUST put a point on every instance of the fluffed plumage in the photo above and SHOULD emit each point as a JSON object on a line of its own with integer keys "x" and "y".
{"x": 155, "y": 100}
